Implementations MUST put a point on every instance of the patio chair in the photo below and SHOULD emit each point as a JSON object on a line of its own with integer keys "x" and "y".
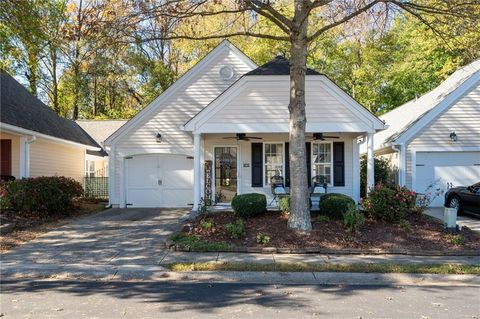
{"x": 277, "y": 186}
{"x": 319, "y": 188}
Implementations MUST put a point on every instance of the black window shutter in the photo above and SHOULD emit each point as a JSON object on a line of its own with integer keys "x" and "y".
{"x": 338, "y": 164}
{"x": 287, "y": 164}
{"x": 257, "y": 169}
{"x": 308, "y": 147}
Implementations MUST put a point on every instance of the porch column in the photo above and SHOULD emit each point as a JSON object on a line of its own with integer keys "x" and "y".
{"x": 370, "y": 162}
{"x": 196, "y": 170}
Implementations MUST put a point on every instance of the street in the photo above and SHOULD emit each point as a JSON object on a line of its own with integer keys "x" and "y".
{"x": 176, "y": 299}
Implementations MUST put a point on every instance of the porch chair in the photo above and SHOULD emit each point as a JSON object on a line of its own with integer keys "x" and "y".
{"x": 319, "y": 188}
{"x": 277, "y": 186}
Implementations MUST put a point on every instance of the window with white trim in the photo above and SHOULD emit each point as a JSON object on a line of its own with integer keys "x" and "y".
{"x": 273, "y": 160}
{"x": 90, "y": 168}
{"x": 322, "y": 160}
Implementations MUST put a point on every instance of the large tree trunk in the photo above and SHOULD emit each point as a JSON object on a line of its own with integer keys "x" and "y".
{"x": 299, "y": 208}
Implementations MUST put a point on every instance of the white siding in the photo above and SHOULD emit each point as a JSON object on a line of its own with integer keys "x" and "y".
{"x": 263, "y": 102}
{"x": 50, "y": 159}
{"x": 463, "y": 118}
{"x": 168, "y": 118}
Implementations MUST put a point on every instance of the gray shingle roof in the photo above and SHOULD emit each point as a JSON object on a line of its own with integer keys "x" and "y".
{"x": 20, "y": 108}
{"x": 278, "y": 66}
{"x": 402, "y": 118}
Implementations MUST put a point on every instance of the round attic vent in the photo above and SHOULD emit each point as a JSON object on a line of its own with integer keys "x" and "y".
{"x": 226, "y": 72}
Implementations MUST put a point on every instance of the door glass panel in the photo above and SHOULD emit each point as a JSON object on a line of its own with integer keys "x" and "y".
{"x": 225, "y": 174}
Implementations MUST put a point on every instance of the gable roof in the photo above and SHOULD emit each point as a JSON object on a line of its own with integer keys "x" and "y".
{"x": 99, "y": 130}
{"x": 21, "y": 109}
{"x": 177, "y": 85}
{"x": 403, "y": 120}
{"x": 277, "y": 66}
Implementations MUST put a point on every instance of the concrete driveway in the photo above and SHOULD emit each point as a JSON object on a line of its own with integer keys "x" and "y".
{"x": 99, "y": 245}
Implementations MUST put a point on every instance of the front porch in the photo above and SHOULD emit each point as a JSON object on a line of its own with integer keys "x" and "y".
{"x": 226, "y": 165}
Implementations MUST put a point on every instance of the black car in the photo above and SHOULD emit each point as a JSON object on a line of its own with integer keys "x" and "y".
{"x": 465, "y": 199}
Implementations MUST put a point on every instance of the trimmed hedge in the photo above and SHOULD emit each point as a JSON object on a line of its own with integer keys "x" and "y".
{"x": 42, "y": 195}
{"x": 249, "y": 205}
{"x": 335, "y": 205}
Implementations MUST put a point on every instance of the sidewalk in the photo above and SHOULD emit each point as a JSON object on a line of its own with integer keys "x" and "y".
{"x": 135, "y": 268}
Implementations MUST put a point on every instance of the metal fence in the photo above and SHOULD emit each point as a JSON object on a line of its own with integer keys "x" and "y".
{"x": 96, "y": 186}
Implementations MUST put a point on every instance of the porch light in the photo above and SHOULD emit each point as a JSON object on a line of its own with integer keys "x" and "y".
{"x": 159, "y": 138}
{"x": 453, "y": 137}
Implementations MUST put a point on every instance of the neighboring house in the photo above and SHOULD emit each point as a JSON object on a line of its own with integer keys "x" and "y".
{"x": 35, "y": 141}
{"x": 188, "y": 142}
{"x": 435, "y": 139}
{"x": 96, "y": 162}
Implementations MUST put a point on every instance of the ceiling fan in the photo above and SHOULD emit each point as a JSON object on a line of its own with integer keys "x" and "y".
{"x": 243, "y": 137}
{"x": 321, "y": 137}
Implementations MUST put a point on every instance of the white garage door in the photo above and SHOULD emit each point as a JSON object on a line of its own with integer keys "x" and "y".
{"x": 159, "y": 181}
{"x": 447, "y": 169}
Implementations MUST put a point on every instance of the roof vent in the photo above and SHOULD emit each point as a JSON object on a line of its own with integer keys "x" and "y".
{"x": 226, "y": 72}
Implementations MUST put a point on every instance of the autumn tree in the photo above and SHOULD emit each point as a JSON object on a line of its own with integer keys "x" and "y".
{"x": 292, "y": 25}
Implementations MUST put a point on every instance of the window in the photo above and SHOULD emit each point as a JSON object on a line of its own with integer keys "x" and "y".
{"x": 89, "y": 168}
{"x": 322, "y": 161}
{"x": 273, "y": 160}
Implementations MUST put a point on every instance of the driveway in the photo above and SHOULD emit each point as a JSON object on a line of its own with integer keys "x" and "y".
{"x": 464, "y": 220}
{"x": 98, "y": 245}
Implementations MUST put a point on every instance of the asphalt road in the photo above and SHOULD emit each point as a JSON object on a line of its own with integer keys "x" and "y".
{"x": 164, "y": 299}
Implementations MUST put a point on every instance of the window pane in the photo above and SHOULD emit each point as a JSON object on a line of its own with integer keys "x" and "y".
{"x": 324, "y": 171}
{"x": 322, "y": 153}
{"x": 273, "y": 161}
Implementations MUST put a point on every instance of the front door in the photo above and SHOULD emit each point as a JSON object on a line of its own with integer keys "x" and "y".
{"x": 225, "y": 173}
{"x": 6, "y": 157}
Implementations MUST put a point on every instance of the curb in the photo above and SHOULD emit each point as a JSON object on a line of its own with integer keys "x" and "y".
{"x": 170, "y": 245}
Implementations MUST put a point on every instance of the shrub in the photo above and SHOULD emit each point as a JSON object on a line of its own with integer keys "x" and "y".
{"x": 353, "y": 219}
{"x": 263, "y": 239}
{"x": 383, "y": 172}
{"x": 405, "y": 225}
{"x": 43, "y": 195}
{"x": 249, "y": 205}
{"x": 389, "y": 203}
{"x": 335, "y": 205}
{"x": 457, "y": 240}
{"x": 322, "y": 218}
{"x": 236, "y": 229}
{"x": 207, "y": 224}
{"x": 284, "y": 204}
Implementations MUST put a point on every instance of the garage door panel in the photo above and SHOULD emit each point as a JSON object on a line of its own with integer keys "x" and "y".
{"x": 159, "y": 181}
{"x": 446, "y": 169}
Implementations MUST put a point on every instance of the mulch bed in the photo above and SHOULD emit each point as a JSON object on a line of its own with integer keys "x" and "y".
{"x": 426, "y": 234}
{"x": 28, "y": 226}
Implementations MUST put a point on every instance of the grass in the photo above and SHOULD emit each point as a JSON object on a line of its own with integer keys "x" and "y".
{"x": 444, "y": 269}
{"x": 194, "y": 243}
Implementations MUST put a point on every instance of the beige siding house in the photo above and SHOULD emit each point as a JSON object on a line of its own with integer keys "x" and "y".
{"x": 222, "y": 129}
{"x": 435, "y": 140}
{"x": 35, "y": 141}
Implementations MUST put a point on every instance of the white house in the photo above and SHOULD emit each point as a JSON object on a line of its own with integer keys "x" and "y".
{"x": 435, "y": 139}
{"x": 222, "y": 129}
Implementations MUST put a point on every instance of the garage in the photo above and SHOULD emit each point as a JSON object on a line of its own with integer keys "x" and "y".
{"x": 159, "y": 180}
{"x": 447, "y": 169}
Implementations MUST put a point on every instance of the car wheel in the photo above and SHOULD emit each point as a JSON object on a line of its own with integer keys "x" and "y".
{"x": 455, "y": 202}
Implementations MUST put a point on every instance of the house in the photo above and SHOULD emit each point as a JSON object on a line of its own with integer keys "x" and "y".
{"x": 35, "y": 141}
{"x": 434, "y": 140}
{"x": 96, "y": 162}
{"x": 222, "y": 129}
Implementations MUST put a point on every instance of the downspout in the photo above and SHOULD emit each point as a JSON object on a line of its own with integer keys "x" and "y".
{"x": 402, "y": 163}
{"x": 28, "y": 141}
